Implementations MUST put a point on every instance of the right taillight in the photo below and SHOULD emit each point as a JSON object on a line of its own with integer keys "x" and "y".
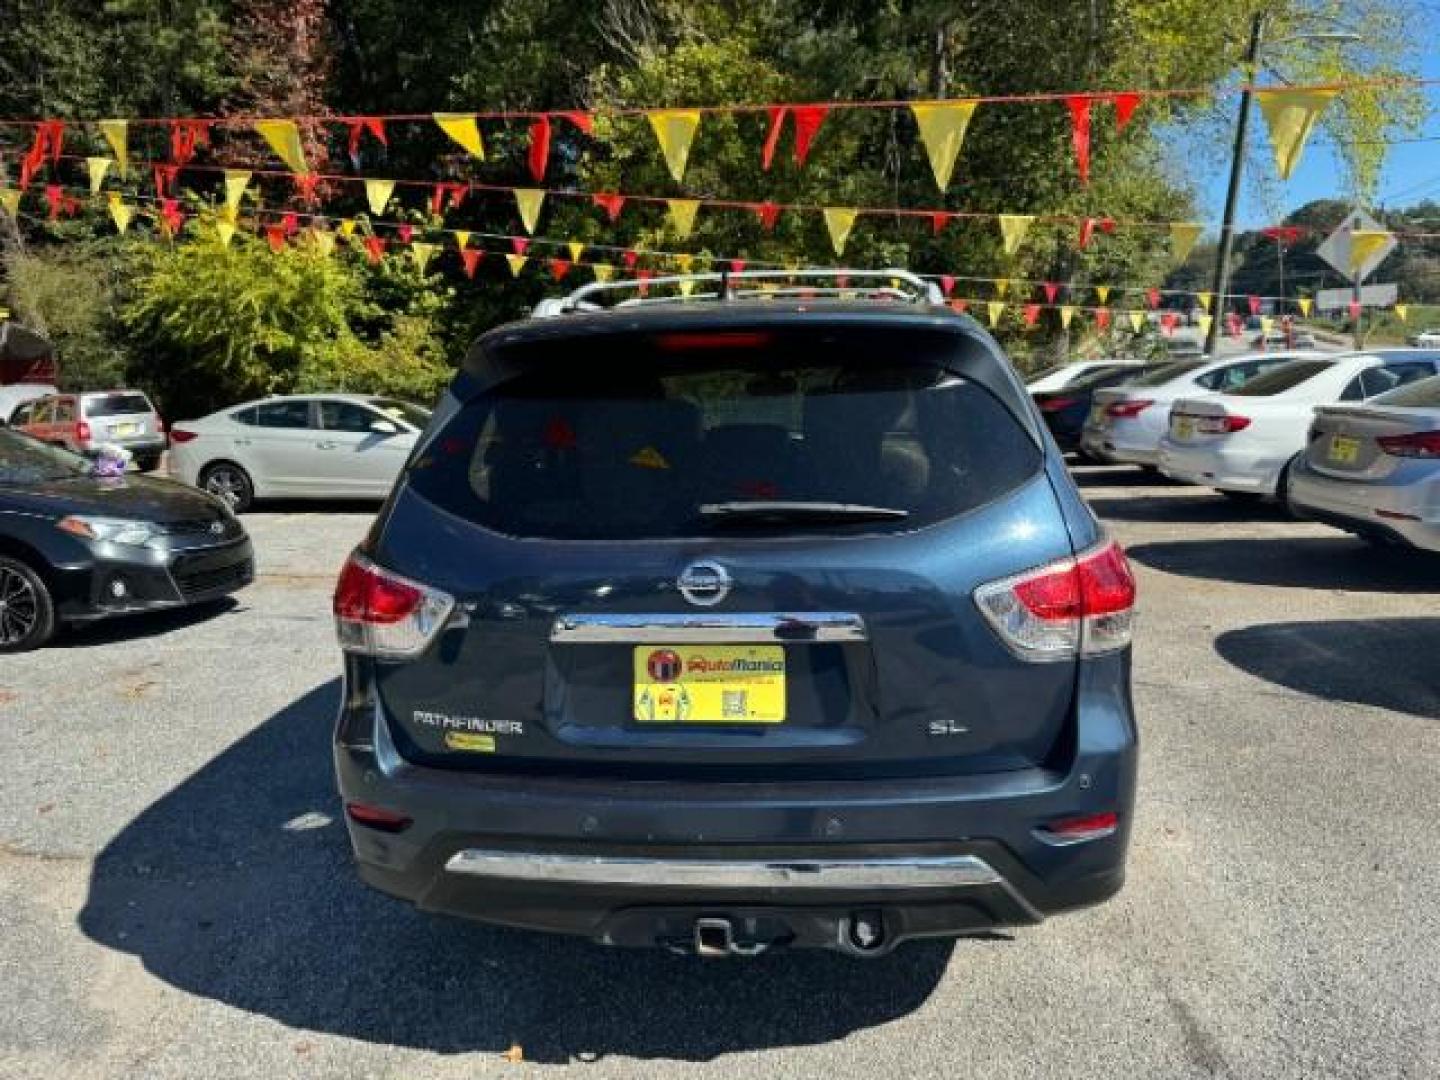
{"x": 1421, "y": 444}
{"x": 379, "y": 613}
{"x": 1082, "y": 606}
{"x": 181, "y": 435}
{"x": 1127, "y": 410}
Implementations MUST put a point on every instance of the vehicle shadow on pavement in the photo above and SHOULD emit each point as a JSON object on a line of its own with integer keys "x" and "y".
{"x": 1388, "y": 663}
{"x": 136, "y": 627}
{"x": 237, "y": 886}
{"x": 1185, "y": 507}
{"x": 1319, "y": 562}
{"x": 1088, "y": 476}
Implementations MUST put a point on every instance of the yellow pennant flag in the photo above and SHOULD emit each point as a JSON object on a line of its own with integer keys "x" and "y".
{"x": 116, "y": 134}
{"x": 1013, "y": 228}
{"x": 462, "y": 238}
{"x": 1401, "y": 310}
{"x": 236, "y": 181}
{"x": 1183, "y": 235}
{"x": 1364, "y": 243}
{"x": 119, "y": 212}
{"x": 576, "y": 249}
{"x": 225, "y": 230}
{"x": 10, "y": 200}
{"x": 1291, "y": 116}
{"x": 1266, "y": 324}
{"x": 462, "y": 128}
{"x": 284, "y": 138}
{"x": 682, "y": 215}
{"x": 687, "y": 287}
{"x": 529, "y": 200}
{"x": 516, "y": 263}
{"x": 422, "y": 253}
{"x": 675, "y": 130}
{"x": 1066, "y": 314}
{"x": 1204, "y": 298}
{"x": 942, "y": 130}
{"x": 377, "y": 195}
{"x": 1103, "y": 292}
{"x": 838, "y": 222}
{"x": 603, "y": 271}
{"x": 1202, "y": 322}
{"x": 347, "y": 227}
{"x": 1002, "y": 286}
{"x": 1305, "y": 304}
{"x": 324, "y": 241}
{"x": 98, "y": 167}
{"x": 993, "y": 309}
{"x": 1137, "y": 321}
{"x": 684, "y": 262}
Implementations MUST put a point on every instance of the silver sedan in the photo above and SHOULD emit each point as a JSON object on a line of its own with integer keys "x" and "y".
{"x": 1374, "y": 469}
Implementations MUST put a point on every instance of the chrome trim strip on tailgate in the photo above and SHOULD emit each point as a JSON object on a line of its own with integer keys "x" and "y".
{"x": 796, "y": 628}
{"x": 939, "y": 872}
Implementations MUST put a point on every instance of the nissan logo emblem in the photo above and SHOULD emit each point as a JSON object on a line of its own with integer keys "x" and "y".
{"x": 704, "y": 583}
{"x": 218, "y": 528}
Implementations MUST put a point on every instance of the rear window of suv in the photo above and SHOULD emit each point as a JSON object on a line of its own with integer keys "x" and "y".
{"x": 117, "y": 405}
{"x": 642, "y": 437}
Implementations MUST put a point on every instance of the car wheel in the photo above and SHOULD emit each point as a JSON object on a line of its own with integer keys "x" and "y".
{"x": 27, "y": 613}
{"x": 148, "y": 463}
{"x": 229, "y": 482}
{"x": 1282, "y": 488}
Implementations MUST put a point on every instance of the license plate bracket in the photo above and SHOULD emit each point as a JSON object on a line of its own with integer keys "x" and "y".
{"x": 709, "y": 684}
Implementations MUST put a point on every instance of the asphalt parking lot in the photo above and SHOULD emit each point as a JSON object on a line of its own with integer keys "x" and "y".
{"x": 176, "y": 898}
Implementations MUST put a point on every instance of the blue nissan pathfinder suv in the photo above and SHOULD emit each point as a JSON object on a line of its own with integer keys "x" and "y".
{"x": 759, "y": 619}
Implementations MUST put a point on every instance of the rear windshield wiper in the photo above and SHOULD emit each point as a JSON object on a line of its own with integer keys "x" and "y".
{"x": 794, "y": 511}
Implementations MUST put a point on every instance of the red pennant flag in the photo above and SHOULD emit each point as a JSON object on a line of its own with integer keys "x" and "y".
{"x": 643, "y": 277}
{"x": 1169, "y": 321}
{"x": 582, "y": 120}
{"x": 808, "y": 119}
{"x": 772, "y": 137}
{"x": 1124, "y": 109}
{"x": 559, "y": 268}
{"x": 275, "y": 237}
{"x": 1087, "y": 232}
{"x": 1107, "y": 226}
{"x": 358, "y": 126}
{"x": 938, "y": 221}
{"x": 947, "y": 284}
{"x": 1284, "y": 234}
{"x": 437, "y": 200}
{"x": 290, "y": 222}
{"x": 70, "y": 206}
{"x": 1052, "y": 290}
{"x": 1355, "y": 309}
{"x": 960, "y": 305}
{"x": 185, "y": 136}
{"x": 1254, "y": 302}
{"x": 306, "y": 185}
{"x": 519, "y": 244}
{"x": 1079, "y": 106}
{"x": 49, "y": 136}
{"x": 611, "y": 204}
{"x": 1032, "y": 314}
{"x": 165, "y": 176}
{"x": 630, "y": 258}
{"x": 405, "y": 232}
{"x": 768, "y": 213}
{"x": 1152, "y": 297}
{"x": 737, "y": 265}
{"x": 54, "y": 195}
{"x": 172, "y": 215}
{"x": 374, "y": 248}
{"x": 471, "y": 258}
{"x": 1102, "y": 317}
{"x": 539, "y": 147}
{"x": 1232, "y": 324}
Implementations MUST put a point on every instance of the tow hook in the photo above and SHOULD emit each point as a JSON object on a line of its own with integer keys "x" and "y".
{"x": 715, "y": 937}
{"x": 865, "y": 932}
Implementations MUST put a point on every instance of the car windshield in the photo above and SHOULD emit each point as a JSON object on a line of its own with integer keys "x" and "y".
{"x": 1424, "y": 394}
{"x": 117, "y": 404}
{"x": 1162, "y": 375}
{"x": 403, "y": 411}
{"x": 1283, "y": 378}
{"x": 24, "y": 460}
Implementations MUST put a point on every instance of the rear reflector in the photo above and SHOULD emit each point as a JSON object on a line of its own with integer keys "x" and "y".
{"x": 180, "y": 435}
{"x": 381, "y": 614}
{"x": 1081, "y": 606}
{"x": 1077, "y": 830}
{"x": 1127, "y": 410}
{"x": 375, "y": 817}
{"x": 1421, "y": 444}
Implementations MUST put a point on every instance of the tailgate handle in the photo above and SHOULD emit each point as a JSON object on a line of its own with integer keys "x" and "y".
{"x": 796, "y": 628}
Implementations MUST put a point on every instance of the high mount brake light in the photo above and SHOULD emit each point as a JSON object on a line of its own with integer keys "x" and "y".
{"x": 1082, "y": 606}
{"x": 1419, "y": 444}
{"x": 1127, "y": 410}
{"x": 381, "y": 614}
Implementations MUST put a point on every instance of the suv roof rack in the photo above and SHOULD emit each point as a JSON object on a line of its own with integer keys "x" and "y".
{"x": 901, "y": 285}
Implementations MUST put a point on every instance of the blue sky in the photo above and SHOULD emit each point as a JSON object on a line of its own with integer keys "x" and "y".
{"x": 1411, "y": 173}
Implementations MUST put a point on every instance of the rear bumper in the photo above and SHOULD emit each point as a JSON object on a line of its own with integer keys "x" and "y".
{"x": 638, "y": 862}
{"x": 1404, "y": 513}
{"x": 1115, "y": 445}
{"x": 1221, "y": 467}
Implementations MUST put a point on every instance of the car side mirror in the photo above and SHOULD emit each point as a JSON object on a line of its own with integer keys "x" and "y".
{"x": 384, "y": 427}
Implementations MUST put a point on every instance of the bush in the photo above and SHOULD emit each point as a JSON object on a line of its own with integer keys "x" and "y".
{"x": 67, "y": 294}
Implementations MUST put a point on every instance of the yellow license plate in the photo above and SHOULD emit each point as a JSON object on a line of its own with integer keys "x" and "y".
{"x": 1344, "y": 449}
{"x": 127, "y": 429}
{"x": 1184, "y": 427}
{"x": 709, "y": 684}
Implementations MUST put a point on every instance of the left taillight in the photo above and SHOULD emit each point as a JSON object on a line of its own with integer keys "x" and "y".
{"x": 1126, "y": 410}
{"x": 1076, "y": 607}
{"x": 181, "y": 435}
{"x": 382, "y": 614}
{"x": 1420, "y": 444}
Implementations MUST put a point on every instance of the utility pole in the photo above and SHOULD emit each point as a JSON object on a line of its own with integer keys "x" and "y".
{"x": 1232, "y": 193}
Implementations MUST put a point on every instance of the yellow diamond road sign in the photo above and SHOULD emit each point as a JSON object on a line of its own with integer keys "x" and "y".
{"x": 1336, "y": 248}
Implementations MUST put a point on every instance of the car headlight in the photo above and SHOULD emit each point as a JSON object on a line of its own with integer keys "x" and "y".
{"x": 112, "y": 530}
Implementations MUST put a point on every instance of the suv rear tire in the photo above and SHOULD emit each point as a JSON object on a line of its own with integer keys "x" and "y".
{"x": 27, "y": 612}
{"x": 148, "y": 463}
{"x": 231, "y": 483}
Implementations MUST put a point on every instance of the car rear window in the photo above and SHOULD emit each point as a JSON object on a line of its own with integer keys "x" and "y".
{"x": 117, "y": 404}
{"x": 632, "y": 438}
{"x": 1424, "y": 394}
{"x": 1283, "y": 378}
{"x": 1161, "y": 375}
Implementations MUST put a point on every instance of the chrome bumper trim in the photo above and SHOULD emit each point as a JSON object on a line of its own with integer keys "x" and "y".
{"x": 793, "y": 628}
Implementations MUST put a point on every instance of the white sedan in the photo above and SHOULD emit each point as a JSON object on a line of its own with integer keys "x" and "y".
{"x": 1243, "y": 443}
{"x": 1127, "y": 422}
{"x": 322, "y": 446}
{"x": 1062, "y": 375}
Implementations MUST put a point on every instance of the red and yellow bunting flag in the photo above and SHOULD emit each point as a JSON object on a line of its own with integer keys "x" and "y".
{"x": 119, "y": 212}
{"x": 1013, "y": 228}
{"x": 994, "y": 309}
{"x": 603, "y": 271}
{"x": 463, "y": 130}
{"x": 1137, "y": 320}
{"x": 10, "y": 201}
{"x": 675, "y": 131}
{"x": 1067, "y": 312}
{"x": 116, "y": 133}
{"x": 422, "y": 253}
{"x": 1401, "y": 311}
{"x": 942, "y": 130}
{"x": 97, "y": 168}
{"x": 284, "y": 138}
{"x": 1305, "y": 305}
{"x": 682, "y": 215}
{"x": 377, "y": 195}
{"x": 1183, "y": 235}
{"x": 516, "y": 264}
{"x": 529, "y": 201}
{"x": 1291, "y": 115}
{"x": 225, "y": 230}
{"x": 839, "y": 220}
{"x": 576, "y": 249}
